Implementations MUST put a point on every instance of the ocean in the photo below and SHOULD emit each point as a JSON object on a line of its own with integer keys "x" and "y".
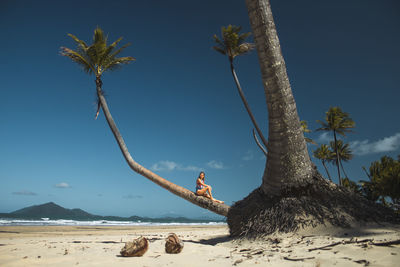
{"x": 48, "y": 222}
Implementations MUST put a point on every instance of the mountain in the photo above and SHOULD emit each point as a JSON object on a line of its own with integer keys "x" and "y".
{"x": 53, "y": 212}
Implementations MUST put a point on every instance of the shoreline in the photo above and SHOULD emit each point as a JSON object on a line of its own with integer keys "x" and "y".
{"x": 208, "y": 245}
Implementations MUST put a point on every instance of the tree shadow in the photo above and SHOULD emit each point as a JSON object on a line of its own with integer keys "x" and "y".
{"x": 211, "y": 241}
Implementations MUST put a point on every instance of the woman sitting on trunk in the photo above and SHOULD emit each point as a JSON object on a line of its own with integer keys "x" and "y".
{"x": 203, "y": 189}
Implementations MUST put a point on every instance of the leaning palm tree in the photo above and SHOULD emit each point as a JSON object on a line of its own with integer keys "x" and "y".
{"x": 338, "y": 122}
{"x": 344, "y": 153}
{"x": 324, "y": 154}
{"x": 100, "y": 57}
{"x": 232, "y": 44}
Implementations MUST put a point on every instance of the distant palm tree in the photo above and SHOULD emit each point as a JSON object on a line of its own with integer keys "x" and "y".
{"x": 344, "y": 151}
{"x": 324, "y": 154}
{"x": 232, "y": 44}
{"x": 338, "y": 122}
{"x": 100, "y": 57}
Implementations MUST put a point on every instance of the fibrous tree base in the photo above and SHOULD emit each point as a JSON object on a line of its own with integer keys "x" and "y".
{"x": 318, "y": 203}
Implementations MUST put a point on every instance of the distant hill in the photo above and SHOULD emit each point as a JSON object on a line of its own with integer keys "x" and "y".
{"x": 54, "y": 212}
{"x": 51, "y": 210}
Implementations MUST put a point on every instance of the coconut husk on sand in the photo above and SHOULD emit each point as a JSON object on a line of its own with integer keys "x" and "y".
{"x": 136, "y": 248}
{"x": 173, "y": 244}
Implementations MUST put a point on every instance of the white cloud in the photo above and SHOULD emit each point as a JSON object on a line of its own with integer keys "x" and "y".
{"x": 386, "y": 144}
{"x": 62, "y": 185}
{"x": 215, "y": 164}
{"x": 166, "y": 165}
{"x": 130, "y": 196}
{"x": 324, "y": 138}
{"x": 248, "y": 156}
{"x": 24, "y": 193}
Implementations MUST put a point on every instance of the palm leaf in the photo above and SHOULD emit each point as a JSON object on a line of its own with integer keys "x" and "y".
{"x": 77, "y": 58}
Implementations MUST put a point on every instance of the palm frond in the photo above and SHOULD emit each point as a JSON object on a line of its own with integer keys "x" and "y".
{"x": 219, "y": 49}
{"x": 116, "y": 63}
{"x": 77, "y": 58}
{"x": 98, "y": 57}
{"x": 80, "y": 42}
{"x": 232, "y": 42}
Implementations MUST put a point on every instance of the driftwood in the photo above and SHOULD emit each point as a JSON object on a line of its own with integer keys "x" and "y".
{"x": 173, "y": 244}
{"x": 388, "y": 243}
{"x": 343, "y": 242}
{"x": 298, "y": 259}
{"x": 136, "y": 248}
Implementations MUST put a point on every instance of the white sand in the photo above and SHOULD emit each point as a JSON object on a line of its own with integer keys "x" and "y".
{"x": 204, "y": 246}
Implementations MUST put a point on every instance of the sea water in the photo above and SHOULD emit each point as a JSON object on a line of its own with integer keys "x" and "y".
{"x": 48, "y": 222}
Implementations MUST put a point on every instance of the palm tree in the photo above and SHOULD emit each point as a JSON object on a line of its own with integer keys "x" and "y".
{"x": 100, "y": 57}
{"x": 344, "y": 153}
{"x": 338, "y": 122}
{"x": 232, "y": 44}
{"x": 287, "y": 149}
{"x": 324, "y": 154}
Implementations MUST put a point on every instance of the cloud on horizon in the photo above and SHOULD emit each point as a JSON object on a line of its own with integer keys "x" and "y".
{"x": 249, "y": 155}
{"x": 62, "y": 185}
{"x": 24, "y": 193}
{"x": 387, "y": 144}
{"x": 130, "y": 196}
{"x": 324, "y": 138}
{"x": 216, "y": 165}
{"x": 166, "y": 165}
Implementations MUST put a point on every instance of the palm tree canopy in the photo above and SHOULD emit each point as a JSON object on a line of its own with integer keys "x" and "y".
{"x": 343, "y": 149}
{"x": 232, "y": 42}
{"x": 336, "y": 120}
{"x": 323, "y": 153}
{"x": 97, "y": 57}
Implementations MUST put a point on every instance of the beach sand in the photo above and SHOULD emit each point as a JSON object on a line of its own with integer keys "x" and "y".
{"x": 203, "y": 246}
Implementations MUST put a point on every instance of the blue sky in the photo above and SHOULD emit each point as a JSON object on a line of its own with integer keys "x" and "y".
{"x": 177, "y": 106}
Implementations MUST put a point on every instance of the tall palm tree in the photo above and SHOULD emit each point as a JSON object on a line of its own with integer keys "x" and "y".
{"x": 344, "y": 153}
{"x": 287, "y": 149}
{"x": 324, "y": 154}
{"x": 100, "y": 57}
{"x": 232, "y": 44}
{"x": 338, "y": 122}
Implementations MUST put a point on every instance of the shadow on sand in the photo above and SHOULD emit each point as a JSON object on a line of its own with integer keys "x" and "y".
{"x": 212, "y": 241}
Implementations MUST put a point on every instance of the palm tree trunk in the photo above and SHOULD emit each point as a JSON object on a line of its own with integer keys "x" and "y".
{"x": 337, "y": 157}
{"x": 341, "y": 166}
{"x": 203, "y": 202}
{"x": 246, "y": 105}
{"x": 288, "y": 162}
{"x": 326, "y": 169}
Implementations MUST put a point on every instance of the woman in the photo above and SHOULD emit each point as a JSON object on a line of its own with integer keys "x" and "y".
{"x": 203, "y": 189}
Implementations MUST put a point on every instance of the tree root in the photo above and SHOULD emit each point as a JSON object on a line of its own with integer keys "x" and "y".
{"x": 318, "y": 203}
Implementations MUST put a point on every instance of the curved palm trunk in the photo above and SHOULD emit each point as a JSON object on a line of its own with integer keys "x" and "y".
{"x": 203, "y": 202}
{"x": 326, "y": 169}
{"x": 288, "y": 163}
{"x": 246, "y": 105}
{"x": 337, "y": 157}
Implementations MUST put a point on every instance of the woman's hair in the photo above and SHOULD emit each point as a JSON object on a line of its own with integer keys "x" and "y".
{"x": 201, "y": 173}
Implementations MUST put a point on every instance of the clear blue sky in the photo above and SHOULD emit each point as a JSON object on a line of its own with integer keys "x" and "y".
{"x": 177, "y": 106}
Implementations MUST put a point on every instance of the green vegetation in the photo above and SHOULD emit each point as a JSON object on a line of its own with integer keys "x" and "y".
{"x": 98, "y": 57}
{"x": 384, "y": 181}
{"x": 324, "y": 154}
{"x": 384, "y": 174}
{"x": 338, "y": 122}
